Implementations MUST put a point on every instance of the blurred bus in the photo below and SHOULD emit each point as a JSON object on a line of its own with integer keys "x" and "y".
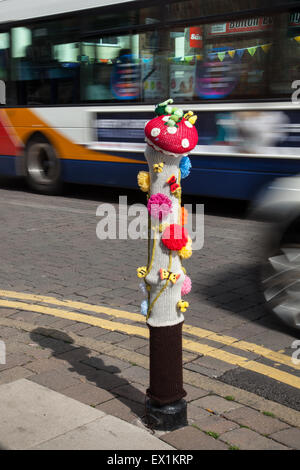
{"x": 78, "y": 80}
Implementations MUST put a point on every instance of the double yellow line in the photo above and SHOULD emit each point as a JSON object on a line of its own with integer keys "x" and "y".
{"x": 40, "y": 305}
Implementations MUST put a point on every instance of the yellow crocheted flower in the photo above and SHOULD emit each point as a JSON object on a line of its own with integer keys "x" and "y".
{"x": 182, "y": 305}
{"x": 143, "y": 179}
{"x": 186, "y": 251}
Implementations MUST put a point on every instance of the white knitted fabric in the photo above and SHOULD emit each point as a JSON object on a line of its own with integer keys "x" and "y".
{"x": 164, "y": 311}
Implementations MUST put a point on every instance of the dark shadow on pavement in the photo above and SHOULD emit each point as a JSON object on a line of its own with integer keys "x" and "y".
{"x": 92, "y": 368}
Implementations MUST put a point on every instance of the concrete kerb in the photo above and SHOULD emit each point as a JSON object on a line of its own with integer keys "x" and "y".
{"x": 36, "y": 417}
{"x": 212, "y": 386}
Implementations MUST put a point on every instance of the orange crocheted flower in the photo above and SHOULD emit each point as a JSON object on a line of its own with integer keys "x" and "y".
{"x": 183, "y": 216}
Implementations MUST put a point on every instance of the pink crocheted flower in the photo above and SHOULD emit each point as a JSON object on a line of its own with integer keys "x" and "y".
{"x": 186, "y": 286}
{"x": 159, "y": 206}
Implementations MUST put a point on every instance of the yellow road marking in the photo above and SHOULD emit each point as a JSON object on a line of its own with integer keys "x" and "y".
{"x": 73, "y": 304}
{"x": 192, "y": 346}
{"x": 192, "y": 330}
{"x": 80, "y": 317}
{"x": 242, "y": 345}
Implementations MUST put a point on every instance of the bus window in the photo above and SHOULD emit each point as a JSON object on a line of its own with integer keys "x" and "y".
{"x": 122, "y": 68}
{"x": 4, "y": 65}
{"x": 221, "y": 61}
{"x": 4, "y": 55}
{"x": 45, "y": 65}
{"x": 286, "y": 54}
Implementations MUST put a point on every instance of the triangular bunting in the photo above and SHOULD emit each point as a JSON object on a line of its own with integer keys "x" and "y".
{"x": 221, "y": 56}
{"x": 231, "y": 53}
{"x": 266, "y": 47}
{"x": 252, "y": 50}
{"x": 240, "y": 52}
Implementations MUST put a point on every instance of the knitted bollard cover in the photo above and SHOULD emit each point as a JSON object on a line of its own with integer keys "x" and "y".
{"x": 169, "y": 137}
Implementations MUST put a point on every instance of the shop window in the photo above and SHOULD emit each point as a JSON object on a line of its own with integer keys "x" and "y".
{"x": 228, "y": 60}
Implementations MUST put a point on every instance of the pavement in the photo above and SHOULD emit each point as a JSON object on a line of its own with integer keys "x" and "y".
{"x": 61, "y": 388}
{"x": 77, "y": 363}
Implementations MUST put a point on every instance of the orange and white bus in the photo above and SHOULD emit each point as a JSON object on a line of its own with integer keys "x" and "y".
{"x": 81, "y": 77}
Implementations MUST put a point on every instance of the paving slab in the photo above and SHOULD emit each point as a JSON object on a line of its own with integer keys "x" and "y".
{"x": 290, "y": 437}
{"x": 216, "y": 404}
{"x": 215, "y": 424}
{"x": 255, "y": 420}
{"x": 123, "y": 408}
{"x": 108, "y": 433}
{"x": 34, "y": 417}
{"x": 55, "y": 379}
{"x": 31, "y": 414}
{"x": 190, "y": 438}
{"x": 246, "y": 439}
{"x": 15, "y": 373}
{"x": 88, "y": 394}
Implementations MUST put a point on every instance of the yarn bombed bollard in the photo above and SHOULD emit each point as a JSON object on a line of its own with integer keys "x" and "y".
{"x": 170, "y": 136}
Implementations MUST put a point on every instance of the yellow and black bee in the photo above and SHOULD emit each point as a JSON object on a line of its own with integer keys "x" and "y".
{"x": 158, "y": 167}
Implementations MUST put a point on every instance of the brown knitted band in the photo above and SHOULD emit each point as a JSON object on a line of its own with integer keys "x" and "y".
{"x": 166, "y": 375}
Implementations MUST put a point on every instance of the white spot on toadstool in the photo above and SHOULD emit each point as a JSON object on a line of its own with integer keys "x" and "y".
{"x": 165, "y": 118}
{"x": 188, "y": 124}
{"x": 172, "y": 130}
{"x": 155, "y": 132}
{"x": 185, "y": 143}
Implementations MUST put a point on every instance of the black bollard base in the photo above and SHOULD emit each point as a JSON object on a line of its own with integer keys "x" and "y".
{"x": 167, "y": 417}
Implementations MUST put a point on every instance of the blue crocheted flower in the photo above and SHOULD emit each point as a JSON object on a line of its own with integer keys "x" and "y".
{"x": 143, "y": 288}
{"x": 144, "y": 307}
{"x": 185, "y": 166}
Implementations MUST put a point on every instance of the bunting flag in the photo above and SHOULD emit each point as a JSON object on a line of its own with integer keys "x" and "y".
{"x": 266, "y": 47}
{"x": 252, "y": 50}
{"x": 221, "y": 56}
{"x": 189, "y": 59}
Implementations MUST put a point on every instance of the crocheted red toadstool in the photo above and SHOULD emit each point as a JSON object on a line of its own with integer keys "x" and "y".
{"x": 176, "y": 140}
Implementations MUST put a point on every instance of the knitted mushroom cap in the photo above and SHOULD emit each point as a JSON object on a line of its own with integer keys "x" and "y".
{"x": 174, "y": 141}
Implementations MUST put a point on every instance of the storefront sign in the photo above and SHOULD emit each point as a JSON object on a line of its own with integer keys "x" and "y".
{"x": 241, "y": 26}
{"x": 196, "y": 37}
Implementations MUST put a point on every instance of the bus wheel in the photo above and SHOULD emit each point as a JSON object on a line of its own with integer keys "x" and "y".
{"x": 42, "y": 167}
